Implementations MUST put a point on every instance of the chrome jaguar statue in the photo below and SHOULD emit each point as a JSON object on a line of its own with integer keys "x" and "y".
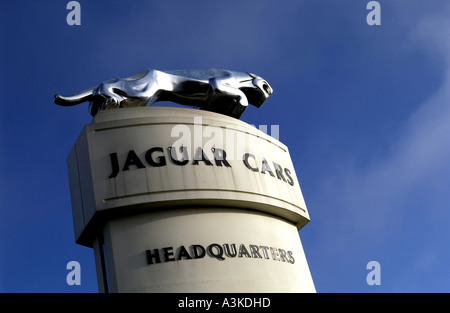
{"x": 216, "y": 90}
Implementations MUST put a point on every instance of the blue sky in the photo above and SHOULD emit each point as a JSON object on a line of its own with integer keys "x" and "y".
{"x": 363, "y": 109}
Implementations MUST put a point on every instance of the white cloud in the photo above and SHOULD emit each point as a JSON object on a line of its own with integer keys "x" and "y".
{"x": 411, "y": 181}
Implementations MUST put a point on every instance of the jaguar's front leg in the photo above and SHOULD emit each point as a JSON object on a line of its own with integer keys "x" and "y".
{"x": 104, "y": 97}
{"x": 222, "y": 90}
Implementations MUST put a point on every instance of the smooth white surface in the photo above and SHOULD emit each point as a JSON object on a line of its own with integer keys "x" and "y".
{"x": 139, "y": 129}
{"x": 134, "y": 206}
{"x": 127, "y": 239}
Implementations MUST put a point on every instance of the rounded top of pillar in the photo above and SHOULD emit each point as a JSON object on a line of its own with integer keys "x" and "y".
{"x": 161, "y": 115}
{"x": 148, "y": 158}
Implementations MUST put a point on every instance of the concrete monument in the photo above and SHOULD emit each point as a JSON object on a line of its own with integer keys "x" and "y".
{"x": 184, "y": 200}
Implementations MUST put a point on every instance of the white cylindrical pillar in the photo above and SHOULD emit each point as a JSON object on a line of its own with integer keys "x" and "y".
{"x": 205, "y": 250}
{"x": 182, "y": 200}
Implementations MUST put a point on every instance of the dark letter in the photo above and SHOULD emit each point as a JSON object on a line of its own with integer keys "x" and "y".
{"x": 228, "y": 252}
{"x": 243, "y": 251}
{"x": 255, "y": 251}
{"x": 200, "y": 156}
{"x": 283, "y": 255}
{"x": 114, "y": 165}
{"x": 264, "y": 249}
{"x": 168, "y": 254}
{"x": 279, "y": 171}
{"x": 173, "y": 156}
{"x": 266, "y": 168}
{"x": 220, "y": 157}
{"x": 219, "y": 254}
{"x": 132, "y": 159}
{"x": 183, "y": 253}
{"x": 275, "y": 254}
{"x": 245, "y": 159}
{"x": 161, "y": 159}
{"x": 291, "y": 257}
{"x": 196, "y": 254}
{"x": 153, "y": 255}
{"x": 288, "y": 174}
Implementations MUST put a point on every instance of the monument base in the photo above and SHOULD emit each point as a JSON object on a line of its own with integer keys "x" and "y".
{"x": 205, "y": 250}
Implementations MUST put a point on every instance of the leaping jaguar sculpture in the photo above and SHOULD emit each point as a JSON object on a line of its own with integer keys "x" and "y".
{"x": 216, "y": 90}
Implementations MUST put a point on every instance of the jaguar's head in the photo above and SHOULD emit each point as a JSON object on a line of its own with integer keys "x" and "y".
{"x": 258, "y": 92}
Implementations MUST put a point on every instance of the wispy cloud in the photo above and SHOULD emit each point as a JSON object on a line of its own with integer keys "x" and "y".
{"x": 412, "y": 178}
